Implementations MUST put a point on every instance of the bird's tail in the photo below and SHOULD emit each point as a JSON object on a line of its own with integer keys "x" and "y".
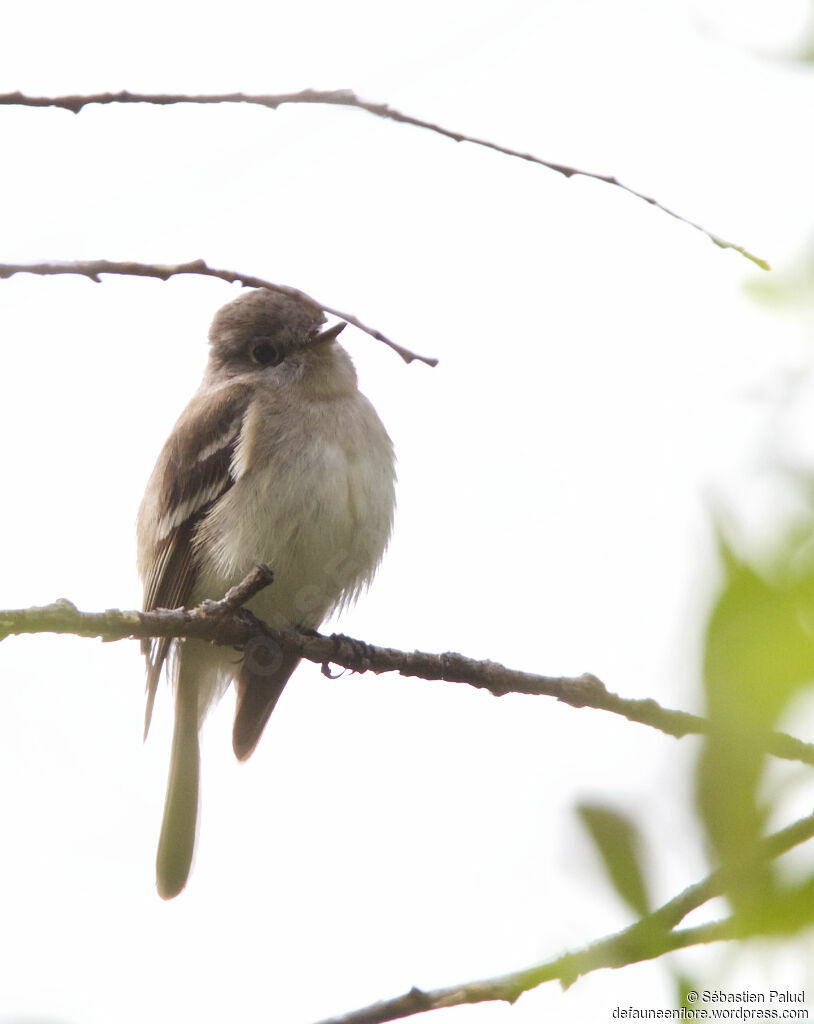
{"x": 177, "y": 839}
{"x": 264, "y": 671}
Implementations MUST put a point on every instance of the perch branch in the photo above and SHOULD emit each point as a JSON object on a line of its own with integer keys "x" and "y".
{"x": 223, "y": 623}
{"x": 93, "y": 268}
{"x": 226, "y": 622}
{"x": 346, "y": 98}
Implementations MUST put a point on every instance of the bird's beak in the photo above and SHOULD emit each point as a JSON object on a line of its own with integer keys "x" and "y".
{"x": 329, "y": 334}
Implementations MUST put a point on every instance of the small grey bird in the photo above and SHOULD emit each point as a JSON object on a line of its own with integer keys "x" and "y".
{"x": 278, "y": 459}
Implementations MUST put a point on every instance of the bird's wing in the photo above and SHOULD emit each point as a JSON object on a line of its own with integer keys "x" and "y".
{"x": 194, "y": 470}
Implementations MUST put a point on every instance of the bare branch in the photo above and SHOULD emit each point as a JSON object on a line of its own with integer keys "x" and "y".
{"x": 619, "y": 950}
{"x": 93, "y": 268}
{"x": 646, "y": 939}
{"x": 346, "y": 98}
{"x": 223, "y": 623}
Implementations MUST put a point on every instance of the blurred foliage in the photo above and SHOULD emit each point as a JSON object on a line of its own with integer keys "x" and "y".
{"x": 804, "y": 51}
{"x": 685, "y": 984}
{"x": 759, "y": 653}
{"x": 794, "y": 45}
{"x": 758, "y": 658}
{"x": 791, "y": 289}
{"x": 619, "y": 844}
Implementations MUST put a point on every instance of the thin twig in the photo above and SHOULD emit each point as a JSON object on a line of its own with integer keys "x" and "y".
{"x": 620, "y": 950}
{"x": 346, "y": 98}
{"x": 646, "y": 939}
{"x": 258, "y": 579}
{"x": 93, "y": 269}
{"x": 224, "y": 624}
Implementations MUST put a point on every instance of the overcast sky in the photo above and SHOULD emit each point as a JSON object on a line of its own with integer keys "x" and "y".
{"x": 605, "y": 381}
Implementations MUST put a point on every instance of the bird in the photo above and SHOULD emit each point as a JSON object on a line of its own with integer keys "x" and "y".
{"x": 278, "y": 459}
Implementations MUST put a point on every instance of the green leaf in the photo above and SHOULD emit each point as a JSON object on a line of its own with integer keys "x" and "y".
{"x": 619, "y": 844}
{"x": 685, "y": 984}
{"x": 758, "y": 653}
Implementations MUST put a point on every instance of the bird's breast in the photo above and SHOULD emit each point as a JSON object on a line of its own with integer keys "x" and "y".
{"x": 313, "y": 498}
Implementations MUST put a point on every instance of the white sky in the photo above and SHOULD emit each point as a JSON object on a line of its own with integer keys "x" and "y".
{"x": 604, "y": 380}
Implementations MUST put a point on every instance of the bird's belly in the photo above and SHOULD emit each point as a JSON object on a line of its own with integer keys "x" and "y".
{"x": 321, "y": 523}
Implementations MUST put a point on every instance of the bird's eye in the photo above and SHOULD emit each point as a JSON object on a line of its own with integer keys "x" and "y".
{"x": 266, "y": 354}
